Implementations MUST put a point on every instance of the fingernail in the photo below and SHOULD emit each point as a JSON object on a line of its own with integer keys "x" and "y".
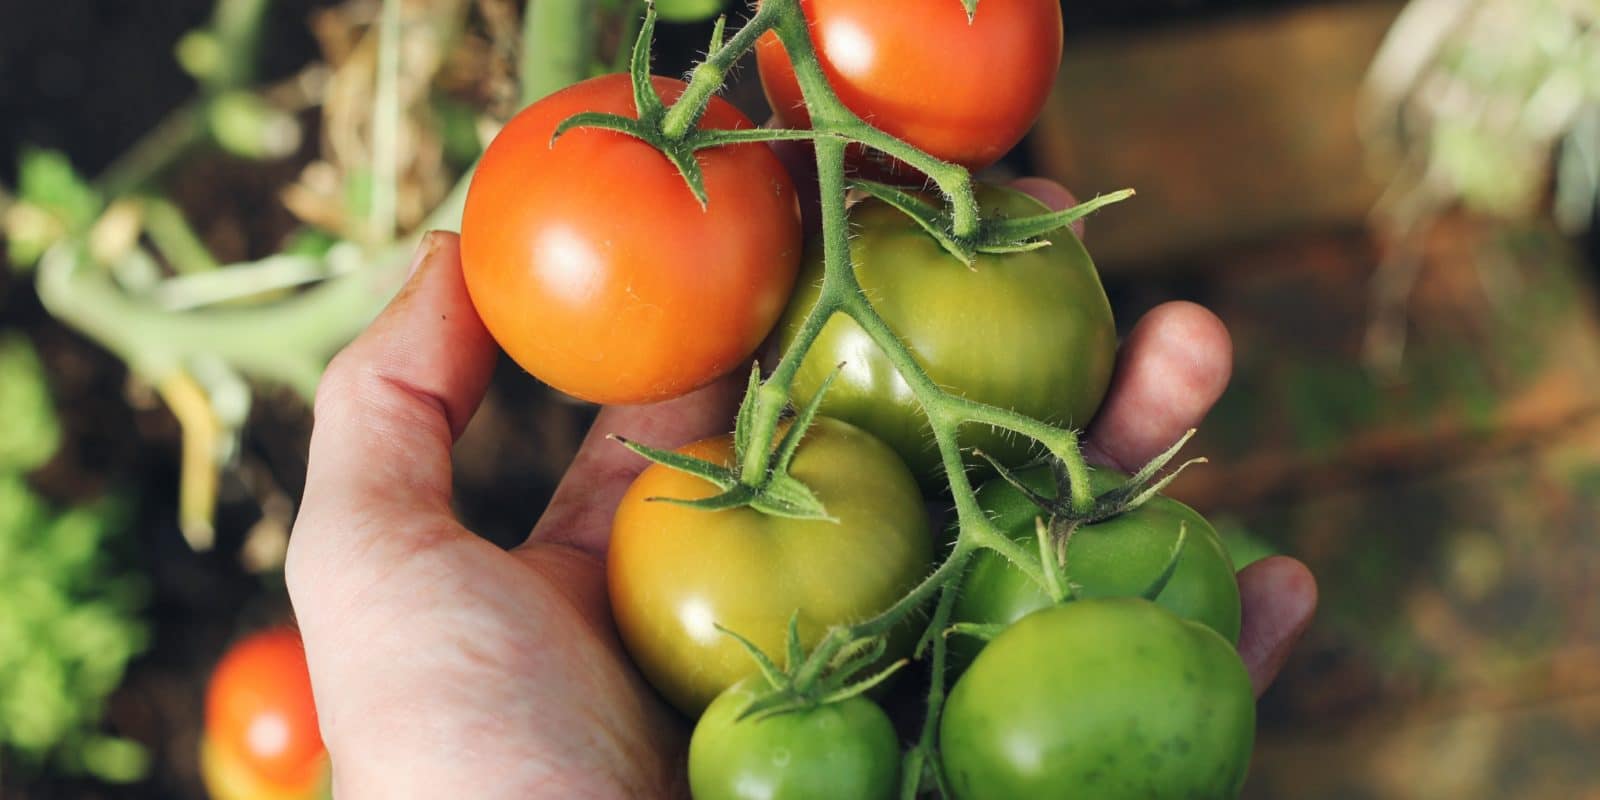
{"x": 424, "y": 250}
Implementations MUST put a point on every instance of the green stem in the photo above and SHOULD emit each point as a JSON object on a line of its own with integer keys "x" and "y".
{"x": 937, "y": 689}
{"x": 557, "y": 45}
{"x": 709, "y": 74}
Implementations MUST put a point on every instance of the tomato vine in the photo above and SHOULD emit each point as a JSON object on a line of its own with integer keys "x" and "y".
{"x": 961, "y": 230}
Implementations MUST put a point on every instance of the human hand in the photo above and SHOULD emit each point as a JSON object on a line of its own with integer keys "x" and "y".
{"x": 443, "y": 665}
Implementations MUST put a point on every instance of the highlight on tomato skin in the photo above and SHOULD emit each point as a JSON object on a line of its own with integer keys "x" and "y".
{"x": 595, "y": 268}
{"x": 920, "y": 71}
{"x": 261, "y": 740}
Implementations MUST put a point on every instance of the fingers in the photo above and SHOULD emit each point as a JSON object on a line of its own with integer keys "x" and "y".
{"x": 580, "y": 511}
{"x": 387, "y": 412}
{"x": 1170, "y": 371}
{"x": 1279, "y": 596}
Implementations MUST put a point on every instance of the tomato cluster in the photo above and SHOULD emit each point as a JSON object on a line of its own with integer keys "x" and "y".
{"x": 261, "y": 740}
{"x": 597, "y": 268}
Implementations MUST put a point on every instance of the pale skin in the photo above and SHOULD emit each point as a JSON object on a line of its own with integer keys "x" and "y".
{"x": 444, "y": 666}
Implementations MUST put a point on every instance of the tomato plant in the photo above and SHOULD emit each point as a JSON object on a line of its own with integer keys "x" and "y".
{"x": 594, "y": 266}
{"x": 1029, "y": 331}
{"x": 962, "y": 91}
{"x": 1109, "y": 698}
{"x": 261, "y": 738}
{"x": 1118, "y": 557}
{"x": 675, "y": 573}
{"x": 836, "y": 750}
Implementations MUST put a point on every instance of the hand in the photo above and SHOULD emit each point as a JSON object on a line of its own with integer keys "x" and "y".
{"x": 444, "y": 666}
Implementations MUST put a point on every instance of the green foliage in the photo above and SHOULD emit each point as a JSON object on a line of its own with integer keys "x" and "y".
{"x": 29, "y": 432}
{"x": 68, "y": 612}
{"x": 53, "y": 202}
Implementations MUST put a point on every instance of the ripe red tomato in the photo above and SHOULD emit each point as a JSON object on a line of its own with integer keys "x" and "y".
{"x": 261, "y": 723}
{"x": 593, "y": 265}
{"x": 917, "y": 69}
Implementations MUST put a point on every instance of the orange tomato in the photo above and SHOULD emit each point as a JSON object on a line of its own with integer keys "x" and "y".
{"x": 918, "y": 70}
{"x": 261, "y": 723}
{"x": 595, "y": 268}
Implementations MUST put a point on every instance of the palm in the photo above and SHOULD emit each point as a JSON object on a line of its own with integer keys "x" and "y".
{"x": 442, "y": 664}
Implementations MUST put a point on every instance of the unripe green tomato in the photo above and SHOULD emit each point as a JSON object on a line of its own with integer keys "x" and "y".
{"x": 1119, "y": 557}
{"x": 841, "y": 750}
{"x": 1028, "y": 331}
{"x": 687, "y": 10}
{"x": 1112, "y": 699}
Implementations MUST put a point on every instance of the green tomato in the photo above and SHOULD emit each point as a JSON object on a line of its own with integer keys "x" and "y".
{"x": 1119, "y": 557}
{"x": 1109, "y": 699}
{"x": 841, "y": 750}
{"x": 1028, "y": 331}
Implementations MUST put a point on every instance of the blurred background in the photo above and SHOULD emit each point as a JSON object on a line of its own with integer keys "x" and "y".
{"x": 1391, "y": 204}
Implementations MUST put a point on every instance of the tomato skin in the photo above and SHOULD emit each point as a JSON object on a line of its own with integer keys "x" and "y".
{"x": 595, "y": 268}
{"x": 1028, "y": 331}
{"x": 227, "y": 777}
{"x": 261, "y": 720}
{"x": 674, "y": 572}
{"x": 1111, "y": 699}
{"x": 1119, "y": 557}
{"x": 841, "y": 750}
{"x": 919, "y": 71}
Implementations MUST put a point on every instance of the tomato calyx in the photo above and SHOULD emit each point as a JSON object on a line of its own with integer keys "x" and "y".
{"x": 776, "y": 492}
{"x": 997, "y": 235}
{"x": 672, "y": 129}
{"x": 1061, "y": 518}
{"x": 807, "y": 683}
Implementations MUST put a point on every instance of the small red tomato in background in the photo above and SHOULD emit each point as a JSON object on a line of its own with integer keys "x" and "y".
{"x": 594, "y": 266}
{"x": 963, "y": 91}
{"x": 261, "y": 738}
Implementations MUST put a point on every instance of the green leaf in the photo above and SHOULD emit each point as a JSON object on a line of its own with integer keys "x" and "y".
{"x": 46, "y": 179}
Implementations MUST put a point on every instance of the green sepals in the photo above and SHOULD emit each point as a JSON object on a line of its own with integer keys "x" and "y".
{"x": 1016, "y": 247}
{"x": 985, "y": 631}
{"x": 1139, "y": 488}
{"x": 1024, "y": 229}
{"x": 1158, "y": 585}
{"x": 644, "y": 92}
{"x": 688, "y": 165}
{"x": 794, "y": 652}
{"x": 597, "y": 119}
{"x": 718, "y": 30}
{"x": 1011, "y": 477}
{"x": 785, "y": 496}
{"x": 747, "y": 413}
{"x": 936, "y": 222}
{"x": 972, "y": 8}
{"x": 706, "y": 138}
{"x": 790, "y": 444}
{"x": 769, "y": 670}
{"x": 715, "y": 474}
{"x": 737, "y": 497}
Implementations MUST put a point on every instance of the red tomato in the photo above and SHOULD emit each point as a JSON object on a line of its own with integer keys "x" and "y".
{"x": 594, "y": 266}
{"x": 260, "y": 719}
{"x": 918, "y": 70}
